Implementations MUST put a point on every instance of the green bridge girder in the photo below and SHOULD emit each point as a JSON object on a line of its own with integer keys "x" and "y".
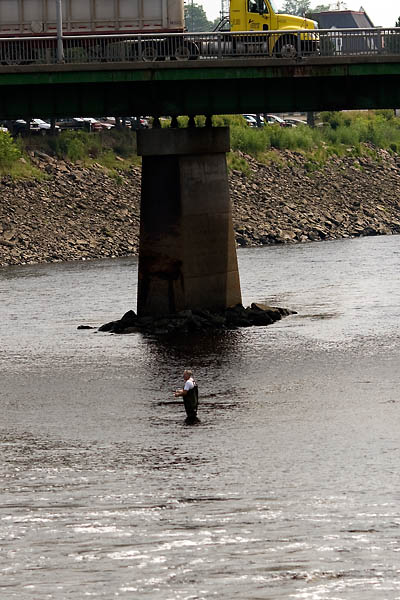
{"x": 209, "y": 87}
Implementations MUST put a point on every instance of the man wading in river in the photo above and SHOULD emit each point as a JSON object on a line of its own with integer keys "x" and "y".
{"x": 190, "y": 394}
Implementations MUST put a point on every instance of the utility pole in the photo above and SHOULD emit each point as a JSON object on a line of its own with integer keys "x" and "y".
{"x": 60, "y": 44}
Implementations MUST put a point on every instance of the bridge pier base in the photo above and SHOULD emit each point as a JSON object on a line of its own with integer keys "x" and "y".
{"x": 187, "y": 251}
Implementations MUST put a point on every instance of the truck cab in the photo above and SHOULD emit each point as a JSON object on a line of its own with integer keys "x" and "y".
{"x": 261, "y": 16}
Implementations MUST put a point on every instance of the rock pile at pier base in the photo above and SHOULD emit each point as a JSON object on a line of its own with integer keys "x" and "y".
{"x": 188, "y": 321}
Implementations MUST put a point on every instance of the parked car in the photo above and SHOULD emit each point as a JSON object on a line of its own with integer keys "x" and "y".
{"x": 74, "y": 123}
{"x": 130, "y": 122}
{"x": 95, "y": 125}
{"x": 275, "y": 120}
{"x": 37, "y": 126}
{"x": 139, "y": 122}
{"x": 108, "y": 120}
{"x": 295, "y": 122}
{"x": 252, "y": 120}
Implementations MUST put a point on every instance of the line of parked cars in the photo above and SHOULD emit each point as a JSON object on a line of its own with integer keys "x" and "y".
{"x": 42, "y": 127}
{"x": 261, "y": 120}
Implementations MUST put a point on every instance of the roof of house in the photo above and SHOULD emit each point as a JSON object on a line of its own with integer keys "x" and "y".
{"x": 343, "y": 19}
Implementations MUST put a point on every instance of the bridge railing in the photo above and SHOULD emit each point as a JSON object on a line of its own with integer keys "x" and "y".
{"x": 200, "y": 46}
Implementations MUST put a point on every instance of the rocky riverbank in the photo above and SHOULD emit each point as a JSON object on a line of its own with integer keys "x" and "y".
{"x": 348, "y": 197}
{"x": 77, "y": 213}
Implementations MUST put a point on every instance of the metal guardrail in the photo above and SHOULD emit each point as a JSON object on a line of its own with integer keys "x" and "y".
{"x": 201, "y": 46}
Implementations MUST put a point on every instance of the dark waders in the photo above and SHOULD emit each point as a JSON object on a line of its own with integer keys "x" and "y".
{"x": 191, "y": 402}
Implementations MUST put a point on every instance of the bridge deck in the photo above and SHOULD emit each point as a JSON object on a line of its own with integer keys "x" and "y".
{"x": 227, "y": 86}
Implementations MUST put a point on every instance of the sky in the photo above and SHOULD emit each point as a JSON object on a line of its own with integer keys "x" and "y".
{"x": 383, "y": 13}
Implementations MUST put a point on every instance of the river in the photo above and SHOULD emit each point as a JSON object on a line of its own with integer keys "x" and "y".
{"x": 287, "y": 489}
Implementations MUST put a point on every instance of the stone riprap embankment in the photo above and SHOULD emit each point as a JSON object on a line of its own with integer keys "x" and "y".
{"x": 79, "y": 213}
{"x": 73, "y": 214}
{"x": 348, "y": 197}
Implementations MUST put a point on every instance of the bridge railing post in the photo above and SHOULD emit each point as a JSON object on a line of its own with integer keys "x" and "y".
{"x": 139, "y": 46}
{"x": 219, "y": 45}
{"x": 298, "y": 43}
{"x": 380, "y": 44}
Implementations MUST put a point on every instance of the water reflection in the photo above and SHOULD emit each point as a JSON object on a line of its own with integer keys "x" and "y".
{"x": 207, "y": 348}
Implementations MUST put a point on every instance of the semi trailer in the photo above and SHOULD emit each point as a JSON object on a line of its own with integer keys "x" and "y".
{"x": 91, "y": 17}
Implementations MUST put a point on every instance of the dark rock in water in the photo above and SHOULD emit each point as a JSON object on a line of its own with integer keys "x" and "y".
{"x": 273, "y": 311}
{"x": 285, "y": 312}
{"x": 128, "y": 330}
{"x": 263, "y": 309}
{"x": 85, "y": 327}
{"x": 198, "y": 320}
{"x": 217, "y": 321}
{"x": 185, "y": 314}
{"x": 263, "y": 318}
{"x": 129, "y": 319}
{"x": 108, "y": 326}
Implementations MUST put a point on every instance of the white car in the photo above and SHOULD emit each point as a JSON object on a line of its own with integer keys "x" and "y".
{"x": 36, "y": 126}
{"x": 43, "y": 125}
{"x": 252, "y": 121}
{"x": 295, "y": 122}
{"x": 275, "y": 120}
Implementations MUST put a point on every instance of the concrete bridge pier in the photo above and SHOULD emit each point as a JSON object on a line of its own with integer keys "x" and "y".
{"x": 187, "y": 251}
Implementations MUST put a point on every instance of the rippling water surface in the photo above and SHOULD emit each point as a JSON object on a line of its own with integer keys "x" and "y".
{"x": 288, "y": 488}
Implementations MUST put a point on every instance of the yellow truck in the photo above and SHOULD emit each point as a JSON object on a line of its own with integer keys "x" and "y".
{"x": 261, "y": 16}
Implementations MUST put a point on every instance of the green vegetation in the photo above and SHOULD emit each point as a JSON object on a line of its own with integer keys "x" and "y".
{"x": 196, "y": 18}
{"x": 99, "y": 147}
{"x": 237, "y": 163}
{"x": 9, "y": 152}
{"x": 355, "y": 133}
{"x": 302, "y": 7}
{"x": 115, "y": 150}
{"x": 12, "y": 160}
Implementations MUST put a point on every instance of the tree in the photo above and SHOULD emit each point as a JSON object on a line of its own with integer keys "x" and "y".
{"x": 296, "y": 7}
{"x": 217, "y": 22}
{"x": 320, "y": 8}
{"x": 398, "y": 22}
{"x": 302, "y": 7}
{"x": 196, "y": 18}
